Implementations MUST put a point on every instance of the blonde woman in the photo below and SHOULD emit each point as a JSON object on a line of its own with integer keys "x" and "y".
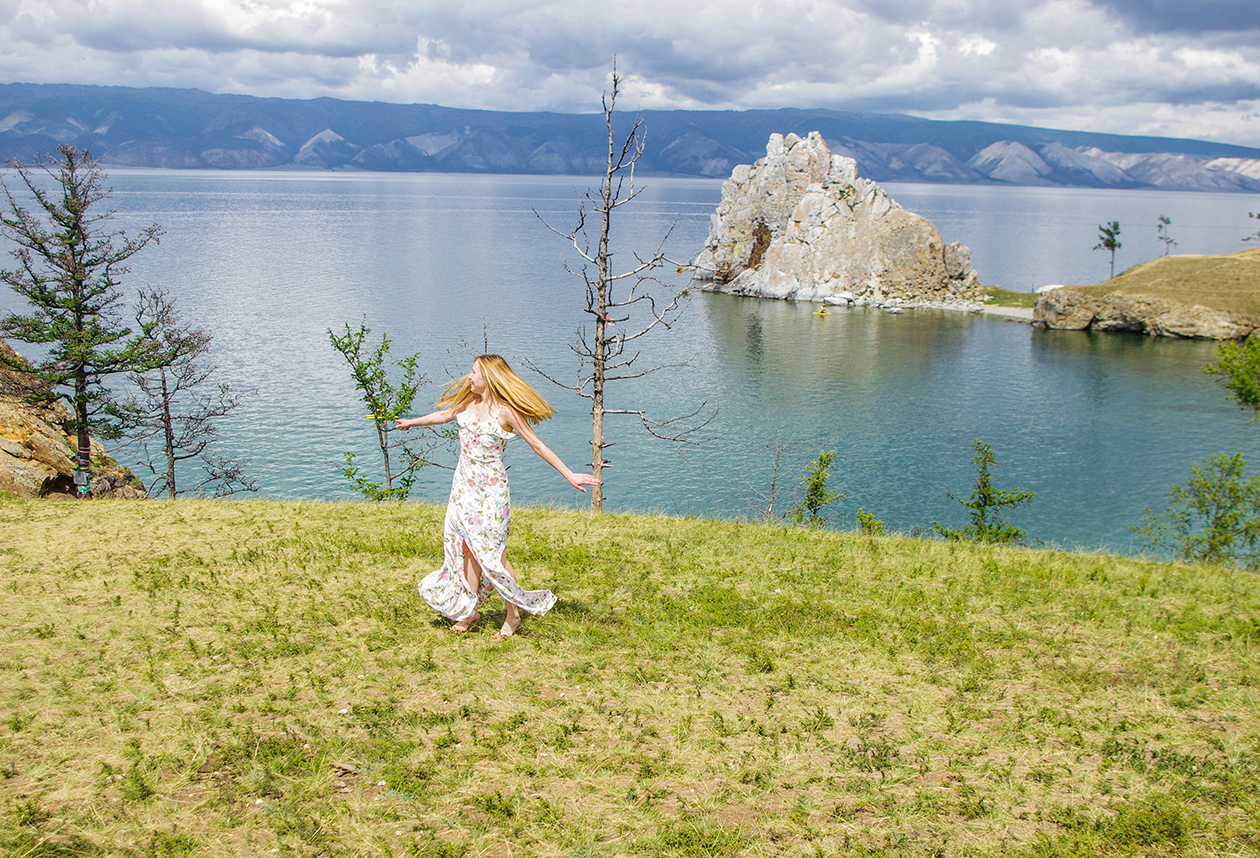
{"x": 492, "y": 405}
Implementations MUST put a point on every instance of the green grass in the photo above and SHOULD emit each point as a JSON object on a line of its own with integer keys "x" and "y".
{"x": 200, "y": 678}
{"x": 1230, "y": 282}
{"x": 1007, "y": 298}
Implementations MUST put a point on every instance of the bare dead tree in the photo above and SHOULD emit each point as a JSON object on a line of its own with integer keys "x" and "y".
{"x": 172, "y": 421}
{"x": 763, "y": 501}
{"x": 637, "y": 296}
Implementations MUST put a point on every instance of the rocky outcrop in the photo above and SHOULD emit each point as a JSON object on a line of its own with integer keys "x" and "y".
{"x": 801, "y": 224}
{"x": 36, "y": 454}
{"x": 1118, "y": 311}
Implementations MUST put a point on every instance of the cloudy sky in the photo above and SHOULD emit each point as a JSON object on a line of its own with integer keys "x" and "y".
{"x": 1185, "y": 68}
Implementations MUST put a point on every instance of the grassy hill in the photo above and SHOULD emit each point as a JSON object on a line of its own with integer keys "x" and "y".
{"x": 1230, "y": 282}
{"x": 200, "y": 678}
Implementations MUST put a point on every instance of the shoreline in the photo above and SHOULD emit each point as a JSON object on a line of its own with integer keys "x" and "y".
{"x": 1020, "y": 314}
{"x": 897, "y": 305}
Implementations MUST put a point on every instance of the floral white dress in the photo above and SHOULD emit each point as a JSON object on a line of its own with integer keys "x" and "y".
{"x": 479, "y": 513}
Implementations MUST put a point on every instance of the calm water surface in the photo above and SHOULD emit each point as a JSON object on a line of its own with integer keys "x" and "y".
{"x": 1099, "y": 426}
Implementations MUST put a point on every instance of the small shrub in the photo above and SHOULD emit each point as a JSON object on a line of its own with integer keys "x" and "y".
{"x": 386, "y": 401}
{"x": 809, "y": 510}
{"x": 984, "y": 503}
{"x": 869, "y": 524}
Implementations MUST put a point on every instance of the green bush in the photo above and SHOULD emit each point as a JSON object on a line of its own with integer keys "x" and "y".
{"x": 984, "y": 503}
{"x": 1213, "y": 518}
{"x": 809, "y": 510}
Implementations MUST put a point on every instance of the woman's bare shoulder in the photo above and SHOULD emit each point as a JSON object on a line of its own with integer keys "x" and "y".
{"x": 508, "y": 416}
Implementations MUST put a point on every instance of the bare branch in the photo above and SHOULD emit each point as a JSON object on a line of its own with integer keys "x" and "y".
{"x": 685, "y": 436}
{"x": 764, "y": 500}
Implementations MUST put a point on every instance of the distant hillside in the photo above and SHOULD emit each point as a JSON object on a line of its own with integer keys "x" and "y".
{"x": 191, "y": 129}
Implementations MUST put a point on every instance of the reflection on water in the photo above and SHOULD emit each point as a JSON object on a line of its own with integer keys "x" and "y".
{"x": 1098, "y": 425}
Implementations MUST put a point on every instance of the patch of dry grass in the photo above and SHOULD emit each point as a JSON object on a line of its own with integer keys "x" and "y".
{"x": 1230, "y": 282}
{"x": 253, "y": 678}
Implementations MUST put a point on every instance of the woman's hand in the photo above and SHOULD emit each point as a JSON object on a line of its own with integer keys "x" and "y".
{"x": 579, "y": 481}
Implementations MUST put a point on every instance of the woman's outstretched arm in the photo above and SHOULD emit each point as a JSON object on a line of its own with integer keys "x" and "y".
{"x": 433, "y": 418}
{"x": 521, "y": 427}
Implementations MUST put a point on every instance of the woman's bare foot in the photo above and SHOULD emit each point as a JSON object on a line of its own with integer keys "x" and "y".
{"x": 510, "y": 625}
{"x": 464, "y": 624}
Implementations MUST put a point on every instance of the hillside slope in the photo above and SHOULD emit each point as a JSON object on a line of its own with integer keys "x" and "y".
{"x": 1230, "y": 282}
{"x": 243, "y": 678}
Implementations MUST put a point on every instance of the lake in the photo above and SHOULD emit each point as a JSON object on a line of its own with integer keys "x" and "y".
{"x": 1098, "y": 425}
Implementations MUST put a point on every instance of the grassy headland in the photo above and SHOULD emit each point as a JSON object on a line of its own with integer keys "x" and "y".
{"x": 250, "y": 678}
{"x": 1230, "y": 282}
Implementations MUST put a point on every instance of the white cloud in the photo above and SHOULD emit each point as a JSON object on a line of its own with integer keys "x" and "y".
{"x": 977, "y": 46}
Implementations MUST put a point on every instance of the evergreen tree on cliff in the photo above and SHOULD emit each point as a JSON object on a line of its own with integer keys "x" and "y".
{"x": 68, "y": 265}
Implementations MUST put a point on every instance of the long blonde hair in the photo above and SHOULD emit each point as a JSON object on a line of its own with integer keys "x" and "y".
{"x": 502, "y": 384}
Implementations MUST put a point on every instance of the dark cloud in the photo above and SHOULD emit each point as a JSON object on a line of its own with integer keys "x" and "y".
{"x": 1002, "y": 15}
{"x": 1188, "y": 17}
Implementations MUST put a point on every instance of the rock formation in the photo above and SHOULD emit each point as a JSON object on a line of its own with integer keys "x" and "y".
{"x": 37, "y": 455}
{"x": 801, "y": 224}
{"x": 1118, "y": 311}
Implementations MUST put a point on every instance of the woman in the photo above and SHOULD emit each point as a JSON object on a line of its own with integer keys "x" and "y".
{"x": 492, "y": 405}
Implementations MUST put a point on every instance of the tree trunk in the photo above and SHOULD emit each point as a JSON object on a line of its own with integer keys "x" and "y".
{"x": 383, "y": 440}
{"x": 604, "y": 285}
{"x": 168, "y": 436}
{"x": 83, "y": 465}
{"x": 597, "y": 444}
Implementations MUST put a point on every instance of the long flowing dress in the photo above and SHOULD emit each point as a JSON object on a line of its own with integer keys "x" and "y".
{"x": 478, "y": 514}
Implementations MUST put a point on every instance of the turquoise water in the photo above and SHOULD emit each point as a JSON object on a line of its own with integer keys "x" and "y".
{"x": 1099, "y": 426}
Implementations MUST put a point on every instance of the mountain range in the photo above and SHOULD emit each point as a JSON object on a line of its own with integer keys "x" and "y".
{"x": 192, "y": 129}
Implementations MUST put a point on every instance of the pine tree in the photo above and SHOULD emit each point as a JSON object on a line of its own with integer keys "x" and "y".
{"x": 68, "y": 270}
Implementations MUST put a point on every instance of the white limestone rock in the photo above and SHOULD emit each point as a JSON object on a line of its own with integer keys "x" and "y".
{"x": 801, "y": 224}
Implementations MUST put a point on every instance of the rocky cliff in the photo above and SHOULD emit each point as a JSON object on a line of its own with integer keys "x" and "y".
{"x": 801, "y": 224}
{"x": 1069, "y": 310}
{"x": 36, "y": 454}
